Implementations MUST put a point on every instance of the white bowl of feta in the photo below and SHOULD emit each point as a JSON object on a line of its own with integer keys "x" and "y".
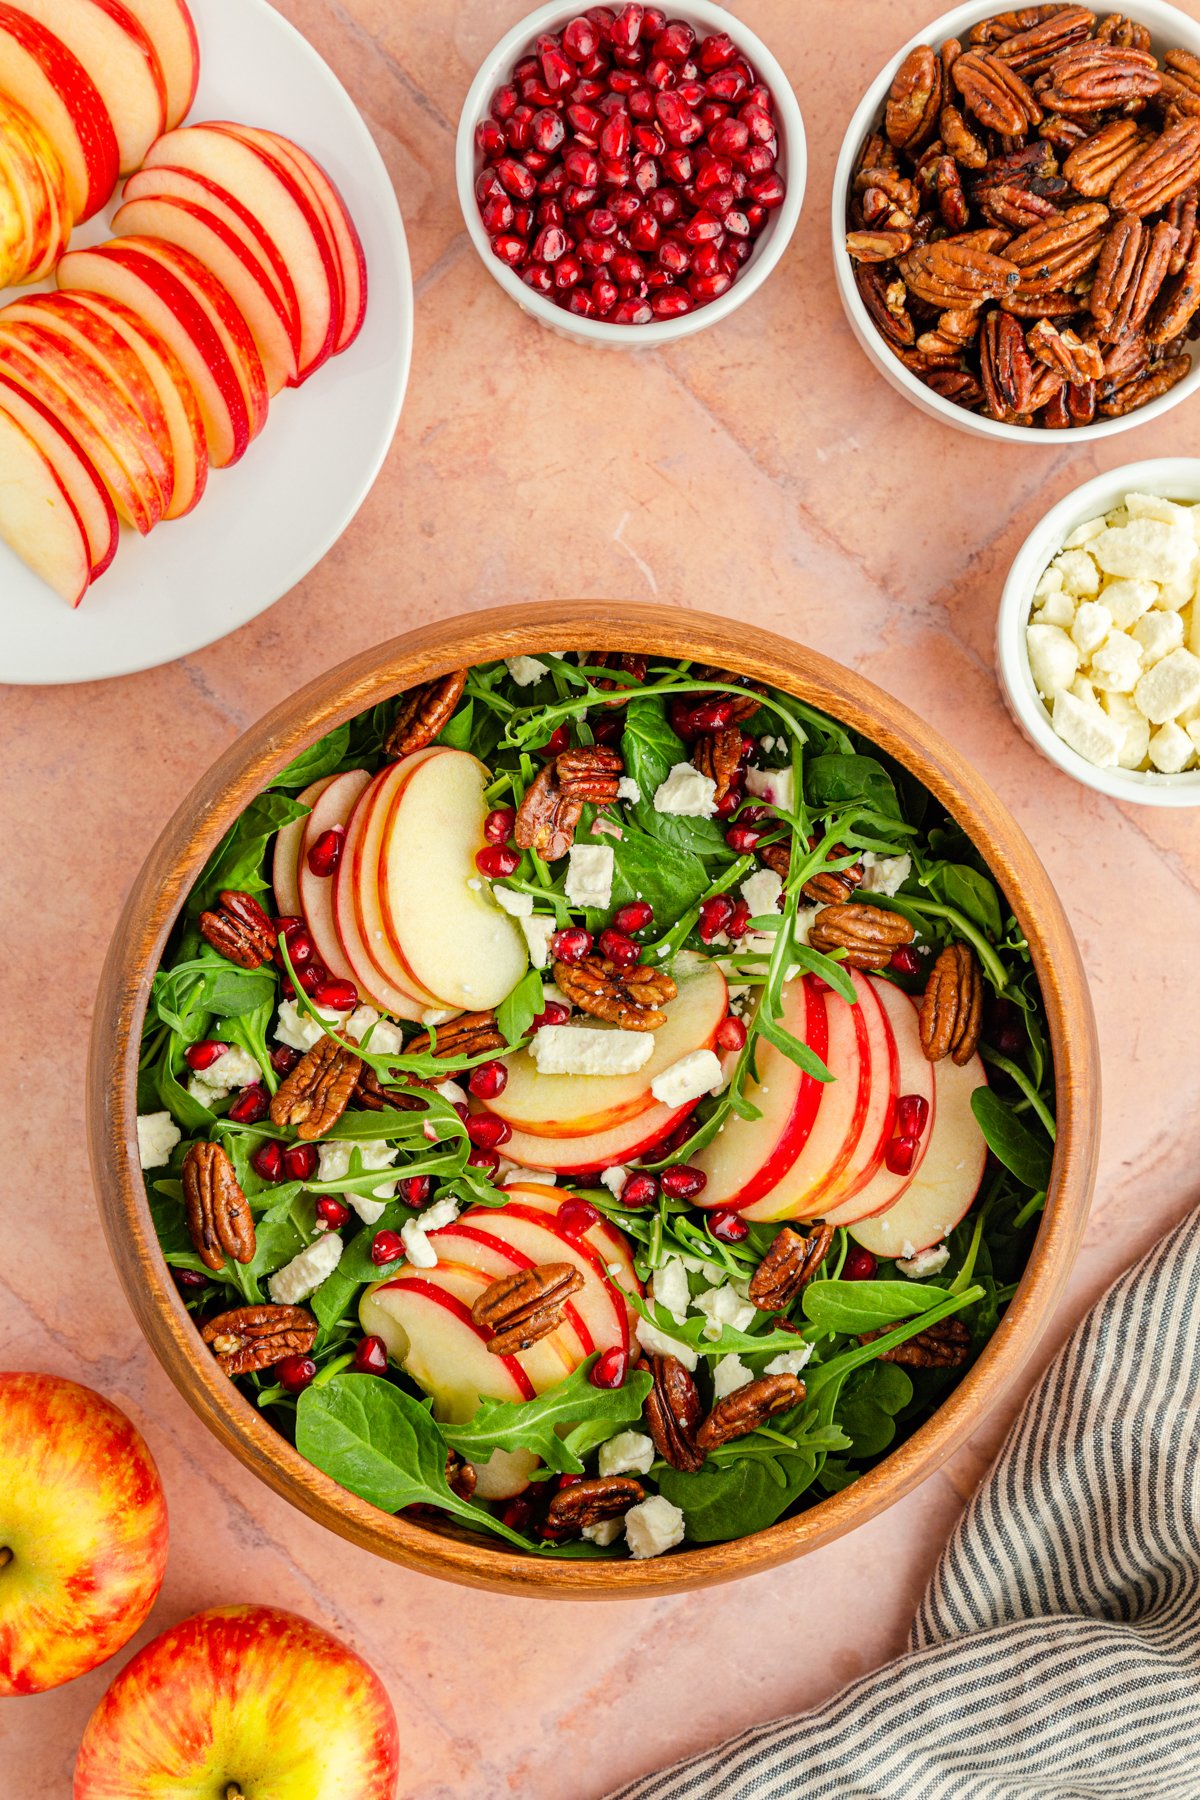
{"x": 1098, "y": 637}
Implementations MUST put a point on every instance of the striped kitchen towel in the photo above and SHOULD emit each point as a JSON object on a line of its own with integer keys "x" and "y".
{"x": 1056, "y": 1651}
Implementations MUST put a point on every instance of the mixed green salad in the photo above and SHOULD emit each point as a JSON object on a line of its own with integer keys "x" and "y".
{"x": 397, "y": 1249}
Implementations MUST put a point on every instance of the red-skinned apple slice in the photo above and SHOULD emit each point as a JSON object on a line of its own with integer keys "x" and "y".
{"x": 880, "y": 1068}
{"x": 581, "y": 1105}
{"x": 361, "y": 932}
{"x": 274, "y": 196}
{"x": 491, "y": 1257}
{"x": 158, "y": 296}
{"x": 74, "y": 469}
{"x": 331, "y": 808}
{"x": 41, "y": 74}
{"x": 914, "y": 1075}
{"x": 547, "y": 1362}
{"x": 195, "y": 229}
{"x": 31, "y": 169}
{"x": 37, "y": 518}
{"x": 588, "y": 1155}
{"x": 433, "y": 1337}
{"x": 114, "y": 49}
{"x": 535, "y": 1233}
{"x": 170, "y": 27}
{"x": 445, "y": 933}
{"x": 285, "y": 858}
{"x": 941, "y": 1192}
{"x": 177, "y": 396}
{"x": 606, "y": 1239}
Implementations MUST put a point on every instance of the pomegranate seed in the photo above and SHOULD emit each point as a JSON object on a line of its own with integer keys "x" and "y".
{"x": 538, "y": 277}
{"x": 487, "y": 1132}
{"x": 739, "y": 924}
{"x": 742, "y": 838}
{"x": 716, "y": 51}
{"x": 633, "y": 312}
{"x": 267, "y": 1160}
{"x": 481, "y": 1157}
{"x": 498, "y": 826}
{"x": 667, "y": 205}
{"x": 715, "y": 914}
{"x": 332, "y": 1214}
{"x": 504, "y": 103}
{"x": 557, "y": 70}
{"x": 615, "y": 137}
{"x": 370, "y": 1356}
{"x": 706, "y": 260}
{"x": 497, "y": 216}
{"x": 300, "y": 1162}
{"x": 624, "y": 30}
{"x": 675, "y": 43}
{"x": 727, "y": 1227}
{"x": 576, "y": 1217}
{"x": 570, "y": 945}
{"x": 567, "y": 271}
{"x": 729, "y": 137}
{"x": 581, "y": 303}
{"x": 488, "y": 1080}
{"x": 731, "y": 1033}
{"x": 645, "y": 232}
{"x": 555, "y": 744}
{"x": 728, "y": 803}
{"x": 635, "y": 916}
{"x": 299, "y": 947}
{"x": 905, "y": 961}
{"x": 204, "y": 1054}
{"x": 578, "y": 199}
{"x": 284, "y": 1059}
{"x": 515, "y": 178}
{"x": 336, "y": 994}
{"x": 518, "y": 1514}
{"x": 386, "y": 1247}
{"x": 610, "y": 1369}
{"x": 702, "y": 228}
{"x": 601, "y": 222}
{"x": 490, "y": 140}
{"x": 295, "y": 1373}
{"x": 756, "y": 216}
{"x": 580, "y": 39}
{"x": 859, "y": 1265}
{"x": 553, "y": 1014}
{"x": 415, "y": 1190}
{"x": 758, "y": 122}
{"x": 641, "y": 105}
{"x": 737, "y": 224}
{"x": 671, "y": 303}
{"x": 620, "y": 950}
{"x": 187, "y": 1280}
{"x": 912, "y": 1115}
{"x": 768, "y": 190}
{"x": 586, "y": 123}
{"x": 676, "y": 117}
{"x": 497, "y": 860}
{"x": 627, "y": 269}
{"x": 674, "y": 256}
{"x": 250, "y": 1106}
{"x": 596, "y": 252}
{"x": 683, "y": 1182}
{"x": 639, "y": 1191}
{"x": 624, "y": 207}
{"x": 509, "y": 248}
{"x": 678, "y": 165}
{"x": 550, "y": 244}
{"x": 546, "y": 131}
{"x": 709, "y": 287}
{"x": 326, "y": 853}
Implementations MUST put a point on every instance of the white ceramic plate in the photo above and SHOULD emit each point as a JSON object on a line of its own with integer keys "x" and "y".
{"x": 264, "y": 523}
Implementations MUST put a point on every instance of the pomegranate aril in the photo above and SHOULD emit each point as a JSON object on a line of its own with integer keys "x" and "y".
{"x": 715, "y": 914}
{"x": 711, "y": 113}
{"x": 539, "y": 278}
{"x": 859, "y": 1265}
{"x": 284, "y": 1059}
{"x": 518, "y": 1514}
{"x": 742, "y": 838}
{"x": 497, "y": 215}
{"x": 509, "y": 248}
{"x": 709, "y": 287}
{"x": 488, "y": 1080}
{"x": 586, "y": 123}
{"x": 706, "y": 259}
{"x": 554, "y": 1013}
{"x": 295, "y": 1373}
{"x": 481, "y": 1157}
{"x": 331, "y": 1214}
{"x": 626, "y": 26}
{"x": 620, "y": 950}
{"x": 645, "y": 176}
{"x": 737, "y": 225}
{"x": 678, "y": 165}
{"x": 671, "y": 303}
{"x": 550, "y": 244}
{"x": 336, "y": 994}
{"x": 624, "y": 82}
{"x": 610, "y": 1369}
{"x": 645, "y": 232}
{"x": 567, "y": 271}
{"x": 515, "y": 178}
{"x": 578, "y": 199}
{"x": 640, "y": 1190}
{"x": 682, "y": 1181}
{"x": 300, "y": 1162}
{"x": 758, "y": 123}
{"x": 582, "y": 166}
{"x": 490, "y": 140}
{"x": 580, "y": 302}
{"x": 558, "y": 71}
{"x": 649, "y": 140}
{"x": 627, "y": 269}
{"x": 1007, "y": 1039}
{"x": 632, "y": 312}
{"x": 188, "y": 1280}
{"x": 912, "y": 1115}
{"x": 675, "y": 42}
{"x": 250, "y": 1106}
{"x": 570, "y": 945}
{"x": 497, "y": 860}
{"x": 588, "y": 89}
{"x": 635, "y": 916}
{"x": 546, "y": 131}
{"x": 580, "y": 39}
{"x": 555, "y": 744}
{"x": 641, "y": 105}
{"x": 905, "y": 961}
{"x": 487, "y": 1132}
{"x": 716, "y": 51}
{"x": 727, "y": 86}
{"x": 267, "y": 1160}
{"x": 498, "y": 826}
{"x": 614, "y": 138}
{"x": 576, "y": 1216}
{"x": 731, "y": 1034}
{"x": 729, "y": 137}
{"x": 604, "y": 295}
{"x": 667, "y": 205}
{"x": 768, "y": 190}
{"x": 624, "y": 207}
{"x": 370, "y": 1356}
{"x": 386, "y": 1247}
{"x": 739, "y": 924}
{"x": 660, "y": 74}
{"x": 204, "y": 1054}
{"x": 674, "y": 257}
{"x": 326, "y": 853}
{"x": 726, "y": 1226}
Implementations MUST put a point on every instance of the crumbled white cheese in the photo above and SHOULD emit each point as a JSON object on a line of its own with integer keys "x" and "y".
{"x": 1079, "y": 573}
{"x": 670, "y": 1288}
{"x": 1158, "y": 633}
{"x": 806, "y": 918}
{"x": 723, "y": 1306}
{"x": 514, "y": 1174}
{"x": 450, "y": 1091}
{"x": 589, "y": 875}
{"x": 157, "y": 1135}
{"x": 517, "y": 906}
{"x": 298, "y": 1029}
{"x": 789, "y": 1362}
{"x": 761, "y": 892}
{"x": 386, "y": 1039}
{"x": 1053, "y": 659}
{"x": 526, "y": 671}
{"x": 438, "y": 1015}
{"x": 590, "y": 1050}
{"x": 333, "y": 1161}
{"x": 729, "y": 1375}
{"x": 1136, "y": 745}
{"x": 884, "y": 874}
{"x": 1117, "y": 664}
{"x": 659, "y": 1343}
{"x": 417, "y": 1247}
{"x": 1171, "y": 749}
{"x": 1087, "y": 730}
{"x": 442, "y": 1212}
{"x": 204, "y": 1093}
{"x": 538, "y": 932}
{"x": 1083, "y": 534}
{"x": 606, "y": 1532}
{"x": 1171, "y": 687}
{"x": 552, "y": 995}
{"x": 305, "y": 1273}
{"x": 1093, "y": 622}
{"x": 925, "y": 1262}
{"x": 686, "y": 793}
{"x": 629, "y": 1453}
{"x": 776, "y": 786}
{"x": 614, "y": 1179}
{"x": 628, "y": 789}
{"x": 1146, "y": 549}
{"x": 697, "y": 1073}
{"x": 1127, "y": 600}
{"x": 235, "y": 1069}
{"x": 652, "y": 1526}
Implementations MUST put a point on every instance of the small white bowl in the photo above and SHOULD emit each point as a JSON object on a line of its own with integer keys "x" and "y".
{"x": 1171, "y": 29}
{"x": 770, "y": 245}
{"x": 1171, "y": 477}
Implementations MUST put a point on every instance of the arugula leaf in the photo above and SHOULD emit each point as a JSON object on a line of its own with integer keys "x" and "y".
{"x": 321, "y": 758}
{"x": 837, "y": 780}
{"x": 853, "y": 1307}
{"x": 536, "y": 1424}
{"x": 1010, "y": 1140}
{"x": 515, "y": 1014}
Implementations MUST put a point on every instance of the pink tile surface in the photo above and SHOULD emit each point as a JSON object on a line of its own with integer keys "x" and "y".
{"x": 761, "y": 470}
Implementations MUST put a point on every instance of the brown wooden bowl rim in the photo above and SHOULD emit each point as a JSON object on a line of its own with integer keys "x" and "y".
{"x": 376, "y": 674}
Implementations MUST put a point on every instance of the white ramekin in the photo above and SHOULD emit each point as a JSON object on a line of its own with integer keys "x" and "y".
{"x": 771, "y": 243}
{"x": 1172, "y": 477}
{"x": 1171, "y": 29}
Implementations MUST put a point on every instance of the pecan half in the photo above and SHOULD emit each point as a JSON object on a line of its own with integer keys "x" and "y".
{"x": 1073, "y": 404}
{"x": 256, "y": 1337}
{"x": 520, "y": 1309}
{"x": 1181, "y": 216}
{"x": 886, "y": 302}
{"x": 593, "y": 1500}
{"x": 946, "y": 1345}
{"x": 1181, "y": 80}
{"x": 953, "y": 274}
{"x": 372, "y": 1096}
{"x": 741, "y": 706}
{"x": 994, "y": 93}
{"x": 1115, "y": 28}
{"x": 590, "y": 773}
{"x": 1065, "y": 352}
{"x": 952, "y": 202}
{"x": 1032, "y": 51}
{"x": 423, "y": 711}
{"x": 1179, "y": 300}
{"x": 747, "y": 1408}
{"x": 1006, "y": 24}
{"x": 673, "y": 1412}
{"x": 914, "y": 99}
{"x": 1154, "y": 261}
{"x": 1115, "y": 271}
{"x": 239, "y": 930}
{"x": 1054, "y": 253}
{"x": 471, "y": 1034}
{"x": 867, "y": 934}
{"x": 1095, "y": 77}
{"x": 790, "y": 1263}
{"x": 547, "y": 818}
{"x": 877, "y": 246}
{"x": 958, "y": 385}
{"x": 219, "y": 1219}
{"x": 1016, "y": 207}
{"x": 630, "y": 998}
{"x": 1094, "y": 165}
{"x": 899, "y": 193}
{"x": 460, "y": 1476}
{"x": 718, "y": 754}
{"x": 828, "y": 887}
{"x": 951, "y": 1017}
{"x": 628, "y": 663}
{"x": 1167, "y": 166}
{"x": 1156, "y": 382}
{"x": 317, "y": 1092}
{"x": 968, "y": 150}
{"x": 1005, "y": 367}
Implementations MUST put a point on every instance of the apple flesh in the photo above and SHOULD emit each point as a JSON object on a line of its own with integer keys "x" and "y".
{"x": 42, "y": 75}
{"x": 83, "y": 1531}
{"x": 599, "y": 1150}
{"x": 170, "y": 28}
{"x": 242, "y": 1700}
{"x": 37, "y": 518}
{"x": 285, "y": 857}
{"x": 947, "y": 1181}
{"x": 877, "y": 1108}
{"x": 433, "y": 1337}
{"x": 33, "y": 178}
{"x": 535, "y": 1234}
{"x": 331, "y": 807}
{"x": 604, "y": 1237}
{"x": 114, "y": 49}
{"x": 913, "y": 1075}
{"x": 473, "y": 1247}
{"x": 78, "y": 475}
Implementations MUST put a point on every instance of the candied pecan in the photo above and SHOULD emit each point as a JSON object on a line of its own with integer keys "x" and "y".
{"x": 790, "y": 1263}
{"x": 895, "y": 188}
{"x": 964, "y": 146}
{"x": 460, "y": 1477}
{"x": 317, "y": 1092}
{"x": 256, "y": 1337}
{"x": 868, "y": 934}
{"x": 471, "y": 1034}
{"x": 946, "y": 1345}
{"x": 831, "y": 887}
{"x": 423, "y": 711}
{"x": 592, "y": 1500}
{"x": 371, "y": 1095}
{"x": 1151, "y": 272}
{"x": 718, "y": 754}
{"x": 777, "y": 857}
{"x": 1005, "y": 25}
{"x": 995, "y": 94}
{"x": 1065, "y": 351}
{"x": 1053, "y": 254}
{"x": 1031, "y": 166}
{"x": 914, "y": 99}
{"x": 1181, "y": 80}
{"x": 1095, "y": 78}
{"x": 1124, "y": 361}
{"x": 239, "y": 930}
{"x": 747, "y": 1408}
{"x": 219, "y": 1220}
{"x": 1179, "y": 299}
{"x": 1005, "y": 368}
{"x": 1156, "y": 382}
{"x": 952, "y": 202}
{"x": 1094, "y": 165}
{"x": 1181, "y": 216}
{"x": 1168, "y": 164}
{"x": 1064, "y": 135}
{"x": 1031, "y": 52}
{"x": 1115, "y": 28}
{"x": 740, "y": 706}
{"x": 958, "y": 385}
{"x": 1046, "y": 384}
{"x": 1017, "y": 207}
{"x": 519, "y": 1309}
{"x": 951, "y": 1016}
{"x": 889, "y": 313}
{"x": 673, "y": 1412}
{"x": 877, "y": 246}
{"x": 630, "y": 998}
{"x": 547, "y": 818}
{"x": 628, "y": 663}
{"x": 1053, "y": 305}
{"x": 1073, "y": 404}
{"x": 590, "y": 773}
{"x": 952, "y": 274}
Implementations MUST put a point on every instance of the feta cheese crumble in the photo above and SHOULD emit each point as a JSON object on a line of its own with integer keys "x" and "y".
{"x": 776, "y": 786}
{"x": 925, "y": 1262}
{"x": 729, "y": 1375}
{"x": 789, "y": 1362}
{"x": 652, "y": 1526}
{"x": 305, "y": 1273}
{"x": 589, "y": 875}
{"x": 157, "y": 1135}
{"x": 697, "y": 1073}
{"x": 298, "y": 1030}
{"x": 686, "y": 793}
{"x": 628, "y": 789}
{"x": 670, "y": 1288}
{"x": 614, "y": 1179}
{"x": 386, "y": 1039}
{"x": 590, "y": 1050}
{"x": 333, "y": 1161}
{"x": 660, "y": 1343}
{"x": 517, "y": 906}
{"x": 884, "y": 874}
{"x": 538, "y": 931}
{"x": 762, "y": 891}
{"x": 724, "y": 1306}
{"x": 629, "y": 1453}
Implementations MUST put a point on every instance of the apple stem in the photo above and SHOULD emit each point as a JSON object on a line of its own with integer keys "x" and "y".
{"x": 6, "y": 1556}
{"x": 234, "y": 1792}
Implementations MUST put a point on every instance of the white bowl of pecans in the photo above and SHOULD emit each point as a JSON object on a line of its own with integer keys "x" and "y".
{"x": 1098, "y": 637}
{"x": 1014, "y": 219}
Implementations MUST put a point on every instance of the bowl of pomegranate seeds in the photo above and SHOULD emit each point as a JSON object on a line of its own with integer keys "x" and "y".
{"x": 630, "y": 174}
{"x": 1014, "y": 219}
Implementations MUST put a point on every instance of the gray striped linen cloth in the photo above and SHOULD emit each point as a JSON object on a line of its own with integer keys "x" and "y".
{"x": 1056, "y": 1651}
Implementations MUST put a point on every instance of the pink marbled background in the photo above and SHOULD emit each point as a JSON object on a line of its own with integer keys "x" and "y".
{"x": 761, "y": 470}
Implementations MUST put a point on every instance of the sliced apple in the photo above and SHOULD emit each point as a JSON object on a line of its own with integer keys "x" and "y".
{"x": 606, "y": 1239}
{"x": 287, "y": 215}
{"x": 490, "y": 1257}
{"x": 116, "y": 52}
{"x": 170, "y": 27}
{"x": 40, "y": 73}
{"x": 75, "y": 470}
{"x": 438, "y": 922}
{"x": 331, "y": 807}
{"x": 535, "y": 1234}
{"x": 547, "y": 1362}
{"x": 157, "y": 295}
{"x": 433, "y": 1337}
{"x": 941, "y": 1192}
{"x": 37, "y": 518}
{"x": 581, "y": 1156}
{"x": 879, "y": 1070}
{"x": 505, "y": 1474}
{"x": 361, "y": 933}
{"x": 197, "y": 230}
{"x": 285, "y": 857}
{"x": 914, "y": 1075}
{"x": 33, "y": 175}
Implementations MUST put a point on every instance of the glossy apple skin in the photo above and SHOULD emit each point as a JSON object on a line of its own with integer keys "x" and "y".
{"x": 242, "y": 1698}
{"x": 83, "y": 1513}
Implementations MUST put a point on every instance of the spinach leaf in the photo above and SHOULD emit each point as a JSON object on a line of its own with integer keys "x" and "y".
{"x": 835, "y": 780}
{"x": 868, "y": 1405}
{"x": 853, "y": 1307}
{"x": 587, "y": 1415}
{"x": 650, "y": 749}
{"x": 960, "y": 886}
{"x": 515, "y": 1014}
{"x": 1010, "y": 1140}
{"x": 237, "y": 861}
{"x": 729, "y": 1500}
{"x": 321, "y": 758}
{"x": 458, "y": 731}
{"x": 651, "y": 869}
{"x": 208, "y": 984}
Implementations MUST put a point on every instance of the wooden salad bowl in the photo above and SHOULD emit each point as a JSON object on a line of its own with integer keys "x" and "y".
{"x": 215, "y": 802}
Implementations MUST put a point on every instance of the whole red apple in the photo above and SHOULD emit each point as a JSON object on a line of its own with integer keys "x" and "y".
{"x": 242, "y": 1703}
{"x": 83, "y": 1531}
